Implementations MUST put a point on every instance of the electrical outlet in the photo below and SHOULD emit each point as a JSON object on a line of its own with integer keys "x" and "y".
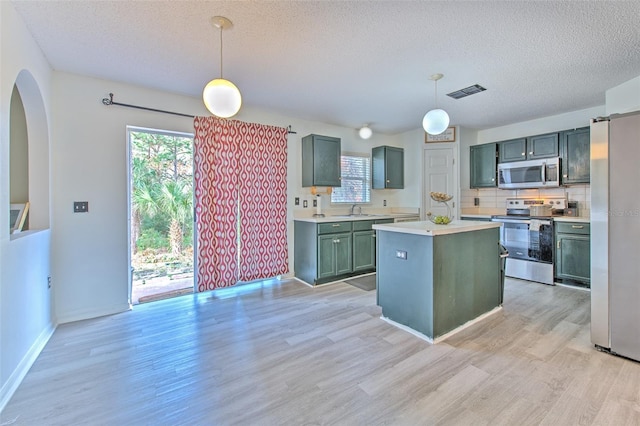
{"x": 315, "y": 203}
{"x": 384, "y": 203}
{"x": 476, "y": 201}
{"x": 305, "y": 204}
{"x": 401, "y": 254}
{"x": 80, "y": 206}
{"x": 297, "y": 201}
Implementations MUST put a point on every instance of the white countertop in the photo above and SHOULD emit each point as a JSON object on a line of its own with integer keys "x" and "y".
{"x": 430, "y": 229}
{"x": 579, "y": 219}
{"x": 348, "y": 218}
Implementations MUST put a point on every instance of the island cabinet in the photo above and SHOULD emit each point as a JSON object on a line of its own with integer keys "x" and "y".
{"x": 387, "y": 167}
{"x": 573, "y": 253}
{"x": 529, "y": 148}
{"x": 321, "y": 161}
{"x": 482, "y": 161}
{"x": 576, "y": 156}
{"x": 434, "y": 279}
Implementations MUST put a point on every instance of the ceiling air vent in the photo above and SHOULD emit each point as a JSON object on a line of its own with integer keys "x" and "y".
{"x": 467, "y": 91}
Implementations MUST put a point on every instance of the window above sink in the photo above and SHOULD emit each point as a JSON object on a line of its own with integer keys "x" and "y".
{"x": 355, "y": 182}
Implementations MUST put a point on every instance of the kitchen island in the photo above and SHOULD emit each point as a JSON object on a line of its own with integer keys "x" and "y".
{"x": 435, "y": 279}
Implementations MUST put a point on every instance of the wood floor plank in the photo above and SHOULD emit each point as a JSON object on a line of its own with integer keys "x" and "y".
{"x": 281, "y": 352}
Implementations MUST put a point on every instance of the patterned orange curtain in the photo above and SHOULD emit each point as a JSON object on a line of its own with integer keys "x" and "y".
{"x": 240, "y": 176}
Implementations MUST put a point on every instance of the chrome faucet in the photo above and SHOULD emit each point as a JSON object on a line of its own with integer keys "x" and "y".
{"x": 353, "y": 209}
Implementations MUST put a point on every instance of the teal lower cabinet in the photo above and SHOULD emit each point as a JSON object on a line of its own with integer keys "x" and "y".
{"x": 331, "y": 251}
{"x": 364, "y": 250}
{"x": 573, "y": 253}
{"x": 334, "y": 255}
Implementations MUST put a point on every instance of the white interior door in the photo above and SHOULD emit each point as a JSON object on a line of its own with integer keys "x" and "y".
{"x": 439, "y": 175}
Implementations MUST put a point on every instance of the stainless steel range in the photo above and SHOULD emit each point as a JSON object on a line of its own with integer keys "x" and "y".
{"x": 527, "y": 233}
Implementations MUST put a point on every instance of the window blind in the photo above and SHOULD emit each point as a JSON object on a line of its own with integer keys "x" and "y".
{"x": 356, "y": 180}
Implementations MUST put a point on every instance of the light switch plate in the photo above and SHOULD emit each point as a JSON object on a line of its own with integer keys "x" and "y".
{"x": 401, "y": 254}
{"x": 80, "y": 206}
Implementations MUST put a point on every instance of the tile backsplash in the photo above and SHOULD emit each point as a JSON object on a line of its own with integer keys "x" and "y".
{"x": 492, "y": 198}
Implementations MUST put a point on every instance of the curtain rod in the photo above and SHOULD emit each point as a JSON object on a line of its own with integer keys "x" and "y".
{"x": 109, "y": 101}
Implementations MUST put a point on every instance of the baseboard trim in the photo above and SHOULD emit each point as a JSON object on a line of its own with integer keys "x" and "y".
{"x": 18, "y": 375}
{"x": 446, "y": 335}
{"x": 94, "y": 313}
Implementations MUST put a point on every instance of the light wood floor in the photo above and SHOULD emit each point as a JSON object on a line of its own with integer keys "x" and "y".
{"x": 290, "y": 354}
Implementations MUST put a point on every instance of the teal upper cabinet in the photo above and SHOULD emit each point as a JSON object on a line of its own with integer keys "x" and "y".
{"x": 387, "y": 167}
{"x": 540, "y": 146}
{"x": 574, "y": 147}
{"x": 320, "y": 161}
{"x": 483, "y": 166}
{"x": 512, "y": 150}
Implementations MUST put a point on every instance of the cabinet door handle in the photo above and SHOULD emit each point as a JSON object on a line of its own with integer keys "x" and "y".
{"x": 565, "y": 175}
{"x": 373, "y": 235}
{"x": 558, "y": 244}
{"x": 577, "y": 226}
{"x": 336, "y": 225}
{"x": 337, "y": 241}
{"x": 523, "y": 154}
{"x": 531, "y": 153}
{"x": 388, "y": 181}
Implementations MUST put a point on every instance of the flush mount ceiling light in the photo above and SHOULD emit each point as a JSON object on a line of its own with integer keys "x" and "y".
{"x": 221, "y": 97}
{"x": 435, "y": 121}
{"x": 365, "y": 132}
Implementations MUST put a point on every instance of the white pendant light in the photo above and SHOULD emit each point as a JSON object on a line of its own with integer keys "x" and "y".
{"x": 365, "y": 132}
{"x": 435, "y": 121}
{"x": 221, "y": 97}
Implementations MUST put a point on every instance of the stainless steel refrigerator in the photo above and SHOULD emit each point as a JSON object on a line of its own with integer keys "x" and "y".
{"x": 615, "y": 234}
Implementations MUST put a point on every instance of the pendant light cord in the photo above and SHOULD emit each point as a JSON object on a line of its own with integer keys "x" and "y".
{"x": 436, "y": 81}
{"x": 221, "y": 51}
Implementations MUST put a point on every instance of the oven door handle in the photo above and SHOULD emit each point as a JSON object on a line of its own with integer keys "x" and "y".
{"x": 525, "y": 222}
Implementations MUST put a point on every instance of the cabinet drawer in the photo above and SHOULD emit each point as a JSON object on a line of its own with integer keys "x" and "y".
{"x": 333, "y": 227}
{"x": 573, "y": 228}
{"x": 362, "y": 225}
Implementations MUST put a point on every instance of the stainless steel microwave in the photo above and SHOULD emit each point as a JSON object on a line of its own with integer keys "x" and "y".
{"x": 541, "y": 173}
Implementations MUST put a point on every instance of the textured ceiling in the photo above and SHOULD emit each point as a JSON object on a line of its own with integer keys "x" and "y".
{"x": 355, "y": 62}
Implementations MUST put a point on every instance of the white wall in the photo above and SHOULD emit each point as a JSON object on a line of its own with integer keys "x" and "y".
{"x": 25, "y": 301}
{"x": 89, "y": 250}
{"x": 569, "y": 120}
{"x": 624, "y": 98}
{"x": 413, "y": 143}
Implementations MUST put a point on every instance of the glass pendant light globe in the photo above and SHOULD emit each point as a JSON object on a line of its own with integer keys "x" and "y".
{"x": 435, "y": 121}
{"x": 222, "y": 98}
{"x": 365, "y": 132}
